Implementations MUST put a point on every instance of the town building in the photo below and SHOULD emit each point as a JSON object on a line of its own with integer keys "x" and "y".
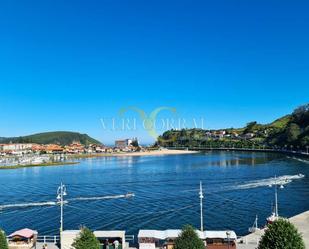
{"x": 16, "y": 146}
{"x": 23, "y": 239}
{"x": 153, "y": 239}
{"x": 68, "y": 237}
{"x": 122, "y": 144}
{"x": 75, "y": 148}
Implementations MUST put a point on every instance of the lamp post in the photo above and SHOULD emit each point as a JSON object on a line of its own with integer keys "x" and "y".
{"x": 201, "y": 206}
{"x": 228, "y": 239}
{"x": 61, "y": 192}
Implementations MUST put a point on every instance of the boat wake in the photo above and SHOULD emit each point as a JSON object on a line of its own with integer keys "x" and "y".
{"x": 299, "y": 159}
{"x": 281, "y": 180}
{"x": 30, "y": 204}
{"x": 129, "y": 195}
{"x": 54, "y": 203}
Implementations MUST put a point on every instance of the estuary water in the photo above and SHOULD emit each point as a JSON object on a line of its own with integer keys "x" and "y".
{"x": 237, "y": 187}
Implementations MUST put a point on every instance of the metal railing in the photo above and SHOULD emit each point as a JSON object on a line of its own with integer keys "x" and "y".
{"x": 48, "y": 239}
{"x": 130, "y": 239}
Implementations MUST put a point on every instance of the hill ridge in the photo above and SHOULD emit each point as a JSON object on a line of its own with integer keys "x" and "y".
{"x": 52, "y": 137}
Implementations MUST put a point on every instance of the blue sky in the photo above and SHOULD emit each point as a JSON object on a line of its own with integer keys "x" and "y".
{"x": 66, "y": 64}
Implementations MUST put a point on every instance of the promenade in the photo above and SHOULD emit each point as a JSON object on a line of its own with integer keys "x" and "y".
{"x": 292, "y": 153}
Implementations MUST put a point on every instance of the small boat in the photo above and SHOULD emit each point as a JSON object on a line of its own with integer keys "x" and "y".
{"x": 129, "y": 195}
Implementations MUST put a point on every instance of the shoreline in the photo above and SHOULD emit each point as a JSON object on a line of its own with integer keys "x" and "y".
{"x": 128, "y": 154}
{"x": 119, "y": 154}
{"x": 38, "y": 165}
{"x": 156, "y": 153}
{"x": 286, "y": 152}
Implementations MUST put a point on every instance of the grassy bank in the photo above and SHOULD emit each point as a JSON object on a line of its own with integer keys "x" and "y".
{"x": 38, "y": 165}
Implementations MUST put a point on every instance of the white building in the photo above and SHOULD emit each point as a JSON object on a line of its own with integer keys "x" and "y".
{"x": 68, "y": 237}
{"x": 152, "y": 239}
{"x": 15, "y": 147}
{"x": 121, "y": 144}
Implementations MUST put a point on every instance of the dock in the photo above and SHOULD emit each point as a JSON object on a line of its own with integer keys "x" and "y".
{"x": 300, "y": 221}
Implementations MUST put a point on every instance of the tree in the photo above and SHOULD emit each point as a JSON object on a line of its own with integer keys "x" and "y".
{"x": 86, "y": 240}
{"x": 3, "y": 241}
{"x": 188, "y": 239}
{"x": 281, "y": 234}
{"x": 301, "y": 115}
{"x": 292, "y": 132}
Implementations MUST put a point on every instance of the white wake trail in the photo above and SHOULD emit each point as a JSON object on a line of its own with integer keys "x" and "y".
{"x": 30, "y": 204}
{"x": 281, "y": 180}
{"x": 129, "y": 195}
{"x": 54, "y": 203}
{"x": 299, "y": 159}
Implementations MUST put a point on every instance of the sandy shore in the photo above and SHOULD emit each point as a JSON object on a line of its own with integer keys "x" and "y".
{"x": 144, "y": 153}
{"x": 156, "y": 153}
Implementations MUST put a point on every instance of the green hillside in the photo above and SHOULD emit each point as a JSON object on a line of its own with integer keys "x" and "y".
{"x": 57, "y": 137}
{"x": 287, "y": 131}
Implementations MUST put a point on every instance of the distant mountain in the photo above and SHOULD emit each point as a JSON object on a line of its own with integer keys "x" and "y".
{"x": 290, "y": 130}
{"x": 57, "y": 137}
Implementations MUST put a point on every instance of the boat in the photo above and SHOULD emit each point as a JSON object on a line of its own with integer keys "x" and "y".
{"x": 274, "y": 215}
{"x": 129, "y": 195}
{"x": 254, "y": 227}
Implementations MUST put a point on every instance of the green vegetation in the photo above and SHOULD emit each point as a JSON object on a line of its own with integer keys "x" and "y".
{"x": 86, "y": 240}
{"x": 57, "y": 137}
{"x": 281, "y": 235}
{"x": 290, "y": 131}
{"x": 38, "y": 165}
{"x": 3, "y": 241}
{"x": 188, "y": 239}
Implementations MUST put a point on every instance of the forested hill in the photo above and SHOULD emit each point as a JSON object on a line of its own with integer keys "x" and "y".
{"x": 289, "y": 131}
{"x": 57, "y": 137}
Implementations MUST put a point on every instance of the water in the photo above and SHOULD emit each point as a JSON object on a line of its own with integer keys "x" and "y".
{"x": 166, "y": 192}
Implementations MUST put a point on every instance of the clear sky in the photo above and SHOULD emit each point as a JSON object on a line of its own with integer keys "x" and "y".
{"x": 66, "y": 64}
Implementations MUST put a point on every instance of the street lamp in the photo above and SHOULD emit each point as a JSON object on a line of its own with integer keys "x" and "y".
{"x": 61, "y": 192}
{"x": 228, "y": 239}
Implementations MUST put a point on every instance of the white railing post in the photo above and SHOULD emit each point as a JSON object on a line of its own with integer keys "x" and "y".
{"x": 44, "y": 239}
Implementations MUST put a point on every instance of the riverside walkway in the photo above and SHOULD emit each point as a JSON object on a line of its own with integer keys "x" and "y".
{"x": 300, "y": 221}
{"x": 50, "y": 245}
{"x": 252, "y": 149}
{"x": 250, "y": 241}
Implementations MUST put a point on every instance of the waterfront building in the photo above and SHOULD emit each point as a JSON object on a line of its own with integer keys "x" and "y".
{"x": 154, "y": 239}
{"x": 17, "y": 148}
{"x": 53, "y": 148}
{"x": 75, "y": 148}
{"x": 121, "y": 144}
{"x": 68, "y": 237}
{"x": 23, "y": 239}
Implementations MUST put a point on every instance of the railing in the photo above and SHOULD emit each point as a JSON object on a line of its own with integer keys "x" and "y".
{"x": 130, "y": 238}
{"x": 48, "y": 239}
